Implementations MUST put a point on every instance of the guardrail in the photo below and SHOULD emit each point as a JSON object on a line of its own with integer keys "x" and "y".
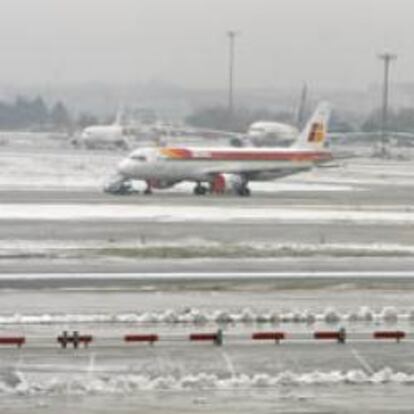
{"x": 75, "y": 339}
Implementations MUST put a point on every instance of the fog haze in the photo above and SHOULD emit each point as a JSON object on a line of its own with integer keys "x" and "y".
{"x": 282, "y": 42}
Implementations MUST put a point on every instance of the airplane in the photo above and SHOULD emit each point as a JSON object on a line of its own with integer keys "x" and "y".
{"x": 271, "y": 133}
{"x": 218, "y": 170}
{"x": 264, "y": 133}
{"x": 119, "y": 135}
{"x": 102, "y": 136}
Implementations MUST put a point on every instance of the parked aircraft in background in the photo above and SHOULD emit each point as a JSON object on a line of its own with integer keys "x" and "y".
{"x": 105, "y": 136}
{"x": 225, "y": 169}
{"x": 265, "y": 133}
{"x": 162, "y": 133}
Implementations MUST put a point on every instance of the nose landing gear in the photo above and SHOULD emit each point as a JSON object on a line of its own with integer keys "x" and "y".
{"x": 119, "y": 186}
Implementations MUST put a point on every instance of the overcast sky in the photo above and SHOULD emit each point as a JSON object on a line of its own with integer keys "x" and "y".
{"x": 326, "y": 42}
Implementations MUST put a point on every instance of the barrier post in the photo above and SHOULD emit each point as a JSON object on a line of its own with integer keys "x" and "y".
{"x": 342, "y": 336}
{"x": 219, "y": 338}
{"x": 75, "y": 339}
{"x": 397, "y": 335}
{"x": 64, "y": 339}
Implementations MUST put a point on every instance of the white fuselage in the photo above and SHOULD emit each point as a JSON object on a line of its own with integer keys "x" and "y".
{"x": 271, "y": 133}
{"x": 103, "y": 135}
{"x": 201, "y": 165}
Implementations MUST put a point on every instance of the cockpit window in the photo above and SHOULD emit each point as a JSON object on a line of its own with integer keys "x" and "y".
{"x": 139, "y": 157}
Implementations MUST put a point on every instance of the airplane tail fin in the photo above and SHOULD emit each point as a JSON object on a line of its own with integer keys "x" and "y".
{"x": 314, "y": 134}
{"x": 119, "y": 119}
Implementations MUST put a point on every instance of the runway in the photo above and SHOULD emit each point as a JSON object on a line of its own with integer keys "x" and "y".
{"x": 339, "y": 215}
{"x": 192, "y": 280}
{"x": 62, "y": 231}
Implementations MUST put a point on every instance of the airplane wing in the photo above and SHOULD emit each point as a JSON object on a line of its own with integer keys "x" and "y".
{"x": 217, "y": 133}
{"x": 362, "y": 134}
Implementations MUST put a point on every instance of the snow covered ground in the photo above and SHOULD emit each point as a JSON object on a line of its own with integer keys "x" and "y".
{"x": 197, "y": 248}
{"x": 59, "y": 169}
{"x": 176, "y": 378}
{"x": 180, "y": 377}
{"x": 165, "y": 213}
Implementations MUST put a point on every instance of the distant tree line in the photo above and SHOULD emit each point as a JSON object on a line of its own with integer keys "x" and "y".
{"x": 26, "y": 113}
{"x": 35, "y": 114}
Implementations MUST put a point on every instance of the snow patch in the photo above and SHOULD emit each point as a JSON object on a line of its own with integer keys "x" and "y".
{"x": 218, "y": 316}
{"x": 17, "y": 383}
{"x": 169, "y": 213}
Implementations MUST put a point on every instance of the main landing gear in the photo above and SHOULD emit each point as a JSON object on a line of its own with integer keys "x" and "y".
{"x": 200, "y": 189}
{"x": 244, "y": 191}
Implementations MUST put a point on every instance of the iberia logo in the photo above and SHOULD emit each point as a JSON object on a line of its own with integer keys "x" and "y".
{"x": 317, "y": 132}
{"x": 176, "y": 153}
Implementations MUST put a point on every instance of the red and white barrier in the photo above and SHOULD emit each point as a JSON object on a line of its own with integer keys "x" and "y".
{"x": 13, "y": 340}
{"x": 397, "y": 335}
{"x": 75, "y": 339}
{"x": 338, "y": 336}
{"x": 216, "y": 337}
{"x": 149, "y": 338}
{"x": 269, "y": 336}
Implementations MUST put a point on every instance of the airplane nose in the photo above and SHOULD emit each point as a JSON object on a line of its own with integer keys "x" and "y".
{"x": 85, "y": 135}
{"x": 124, "y": 167}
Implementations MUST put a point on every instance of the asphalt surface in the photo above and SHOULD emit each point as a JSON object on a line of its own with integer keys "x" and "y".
{"x": 378, "y": 194}
{"x": 115, "y": 233}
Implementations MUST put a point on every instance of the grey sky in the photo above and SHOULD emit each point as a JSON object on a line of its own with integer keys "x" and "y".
{"x": 327, "y": 42}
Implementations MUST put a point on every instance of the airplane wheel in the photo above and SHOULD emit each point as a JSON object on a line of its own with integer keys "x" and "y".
{"x": 200, "y": 190}
{"x": 244, "y": 192}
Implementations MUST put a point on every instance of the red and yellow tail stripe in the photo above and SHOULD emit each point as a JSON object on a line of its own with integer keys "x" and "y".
{"x": 317, "y": 133}
{"x": 237, "y": 155}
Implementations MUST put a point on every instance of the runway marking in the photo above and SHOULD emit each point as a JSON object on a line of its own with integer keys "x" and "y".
{"x": 91, "y": 365}
{"x": 207, "y": 214}
{"x": 229, "y": 363}
{"x": 206, "y": 276}
{"x": 363, "y": 362}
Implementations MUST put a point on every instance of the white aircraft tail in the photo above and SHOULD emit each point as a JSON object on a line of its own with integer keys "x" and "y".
{"x": 119, "y": 119}
{"x": 314, "y": 134}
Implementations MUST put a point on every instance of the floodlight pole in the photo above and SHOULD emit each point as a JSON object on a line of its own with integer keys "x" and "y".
{"x": 387, "y": 58}
{"x": 232, "y": 36}
{"x": 300, "y": 116}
